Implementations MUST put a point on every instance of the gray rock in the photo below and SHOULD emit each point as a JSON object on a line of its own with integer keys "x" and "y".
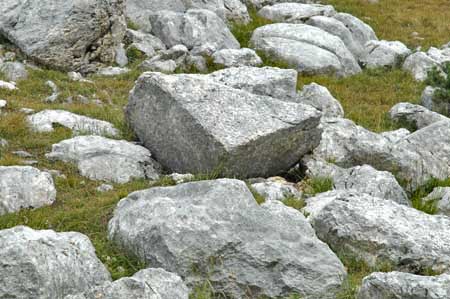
{"x": 144, "y": 42}
{"x": 234, "y": 133}
{"x": 308, "y": 49}
{"x": 168, "y": 285}
{"x": 385, "y": 54}
{"x": 112, "y": 71}
{"x": 320, "y": 98}
{"x": 295, "y": 12}
{"x": 14, "y": 71}
{"x": 395, "y": 136}
{"x": 433, "y": 103}
{"x": 43, "y": 122}
{"x": 75, "y": 76}
{"x": 55, "y": 92}
{"x": 440, "y": 55}
{"x": 3, "y": 143}
{"x": 193, "y": 29}
{"x": 100, "y": 158}
{"x": 104, "y": 188}
{"x": 218, "y": 229}
{"x": 414, "y": 116}
{"x": 404, "y": 285}
{"x": 236, "y": 57}
{"x": 361, "y": 32}
{"x": 261, "y": 3}
{"x": 8, "y": 85}
{"x": 3, "y": 104}
{"x": 276, "y": 189}
{"x": 22, "y": 154}
{"x": 378, "y": 231}
{"x": 23, "y": 187}
{"x": 265, "y": 81}
{"x": 45, "y": 264}
{"x": 163, "y": 66}
{"x": 181, "y": 178}
{"x": 364, "y": 179}
{"x": 419, "y": 64}
{"x": 121, "y": 55}
{"x": 70, "y": 35}
{"x": 440, "y": 196}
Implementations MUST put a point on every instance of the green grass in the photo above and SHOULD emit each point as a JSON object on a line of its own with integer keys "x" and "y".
{"x": 428, "y": 207}
{"x": 315, "y": 185}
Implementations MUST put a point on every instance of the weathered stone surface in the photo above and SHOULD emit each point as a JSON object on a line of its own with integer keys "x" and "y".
{"x": 395, "y": 136}
{"x": 362, "y": 33}
{"x": 261, "y": 3}
{"x": 112, "y": 71}
{"x": 440, "y": 196}
{"x": 43, "y": 122}
{"x": 276, "y": 188}
{"x": 419, "y": 64}
{"x": 8, "y": 85}
{"x": 189, "y": 128}
{"x": 364, "y": 179}
{"x": 404, "y": 285}
{"x": 385, "y": 53}
{"x": 431, "y": 100}
{"x": 236, "y": 57}
{"x": 68, "y": 35}
{"x": 100, "y": 158}
{"x": 295, "y": 12}
{"x": 23, "y": 187}
{"x": 378, "y": 231}
{"x": 45, "y": 264}
{"x": 217, "y": 227}
{"x": 168, "y": 285}
{"x": 144, "y": 42}
{"x": 193, "y": 29}
{"x": 13, "y": 71}
{"x": 266, "y": 81}
{"x": 308, "y": 49}
{"x": 320, "y": 98}
{"x": 414, "y": 116}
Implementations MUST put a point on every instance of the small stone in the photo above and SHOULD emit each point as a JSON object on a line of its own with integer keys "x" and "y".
{"x": 104, "y": 188}
{"x": 55, "y": 92}
{"x": 181, "y": 178}
{"x": 112, "y": 71}
{"x": 22, "y": 154}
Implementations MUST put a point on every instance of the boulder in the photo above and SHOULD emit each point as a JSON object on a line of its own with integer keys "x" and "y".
{"x": 194, "y": 124}
{"x": 320, "y": 98}
{"x": 385, "y": 54}
{"x": 396, "y": 135}
{"x": 100, "y": 158}
{"x": 193, "y": 29}
{"x": 404, "y": 285}
{"x": 276, "y": 188}
{"x": 440, "y": 197}
{"x": 294, "y": 12}
{"x": 419, "y": 64}
{"x": 379, "y": 231}
{"x": 144, "y": 42}
{"x": 364, "y": 179}
{"x": 261, "y": 3}
{"x": 433, "y": 102}
{"x": 361, "y": 32}
{"x": 45, "y": 264}
{"x": 67, "y": 35}
{"x": 44, "y": 121}
{"x": 23, "y": 187}
{"x": 414, "y": 116}
{"x": 236, "y": 57}
{"x": 308, "y": 49}
{"x": 13, "y": 71}
{"x": 215, "y": 229}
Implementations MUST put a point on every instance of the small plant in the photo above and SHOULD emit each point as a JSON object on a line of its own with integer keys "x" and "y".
{"x": 440, "y": 79}
{"x": 315, "y": 185}
{"x": 243, "y": 32}
{"x": 293, "y": 202}
{"x": 429, "y": 207}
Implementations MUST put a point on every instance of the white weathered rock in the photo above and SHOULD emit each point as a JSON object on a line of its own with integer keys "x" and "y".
{"x": 320, "y": 98}
{"x": 276, "y": 189}
{"x": 364, "y": 179}
{"x": 100, "y": 158}
{"x": 216, "y": 127}
{"x": 395, "y": 136}
{"x": 144, "y": 42}
{"x": 380, "y": 285}
{"x": 440, "y": 55}
{"x": 385, "y": 53}
{"x": 121, "y": 55}
{"x": 8, "y": 85}
{"x": 168, "y": 285}
{"x": 55, "y": 92}
{"x": 308, "y": 49}
{"x": 43, "y": 122}
{"x": 419, "y": 64}
{"x": 112, "y": 71}
{"x": 295, "y": 12}
{"x": 431, "y": 101}
{"x": 13, "y": 71}
{"x": 193, "y": 29}
{"x": 361, "y": 32}
{"x": 3, "y": 104}
{"x": 378, "y": 231}
{"x": 23, "y": 187}
{"x": 414, "y": 116}
{"x": 104, "y": 188}
{"x": 76, "y": 76}
{"x": 261, "y": 3}
{"x": 163, "y": 66}
{"x": 253, "y": 246}
{"x": 236, "y": 57}
{"x": 45, "y": 264}
{"x": 181, "y": 177}
{"x": 70, "y": 35}
{"x": 440, "y": 196}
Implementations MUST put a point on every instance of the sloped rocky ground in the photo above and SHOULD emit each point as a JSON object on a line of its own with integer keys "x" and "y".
{"x": 271, "y": 149}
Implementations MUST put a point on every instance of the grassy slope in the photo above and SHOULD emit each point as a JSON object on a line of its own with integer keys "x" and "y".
{"x": 365, "y": 97}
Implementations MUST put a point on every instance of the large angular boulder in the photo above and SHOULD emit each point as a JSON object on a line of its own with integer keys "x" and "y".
{"x": 45, "y": 264}
{"x": 361, "y": 32}
{"x": 194, "y": 29}
{"x": 67, "y": 35}
{"x": 308, "y": 49}
{"x": 378, "y": 230}
{"x": 294, "y": 12}
{"x": 320, "y": 98}
{"x": 193, "y": 124}
{"x": 385, "y": 53}
{"x": 100, "y": 158}
{"x": 404, "y": 285}
{"x": 216, "y": 230}
{"x": 23, "y": 187}
{"x": 414, "y": 116}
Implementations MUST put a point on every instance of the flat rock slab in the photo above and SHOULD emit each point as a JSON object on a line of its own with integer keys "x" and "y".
{"x": 100, "y": 158}
{"x": 404, "y": 285}
{"x": 23, "y": 187}
{"x": 193, "y": 124}
{"x": 295, "y": 12}
{"x": 62, "y": 34}
{"x": 43, "y": 122}
{"x": 378, "y": 230}
{"x": 308, "y": 49}
{"x": 216, "y": 228}
{"x": 45, "y": 264}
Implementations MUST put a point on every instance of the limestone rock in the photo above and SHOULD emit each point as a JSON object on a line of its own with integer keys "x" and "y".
{"x": 100, "y": 158}
{"x": 276, "y": 189}
{"x": 218, "y": 228}
{"x": 23, "y": 187}
{"x": 441, "y": 198}
{"x": 320, "y": 98}
{"x": 414, "y": 116}
{"x": 14, "y": 71}
{"x": 385, "y": 53}
{"x": 236, "y": 57}
{"x": 419, "y": 64}
{"x": 295, "y": 12}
